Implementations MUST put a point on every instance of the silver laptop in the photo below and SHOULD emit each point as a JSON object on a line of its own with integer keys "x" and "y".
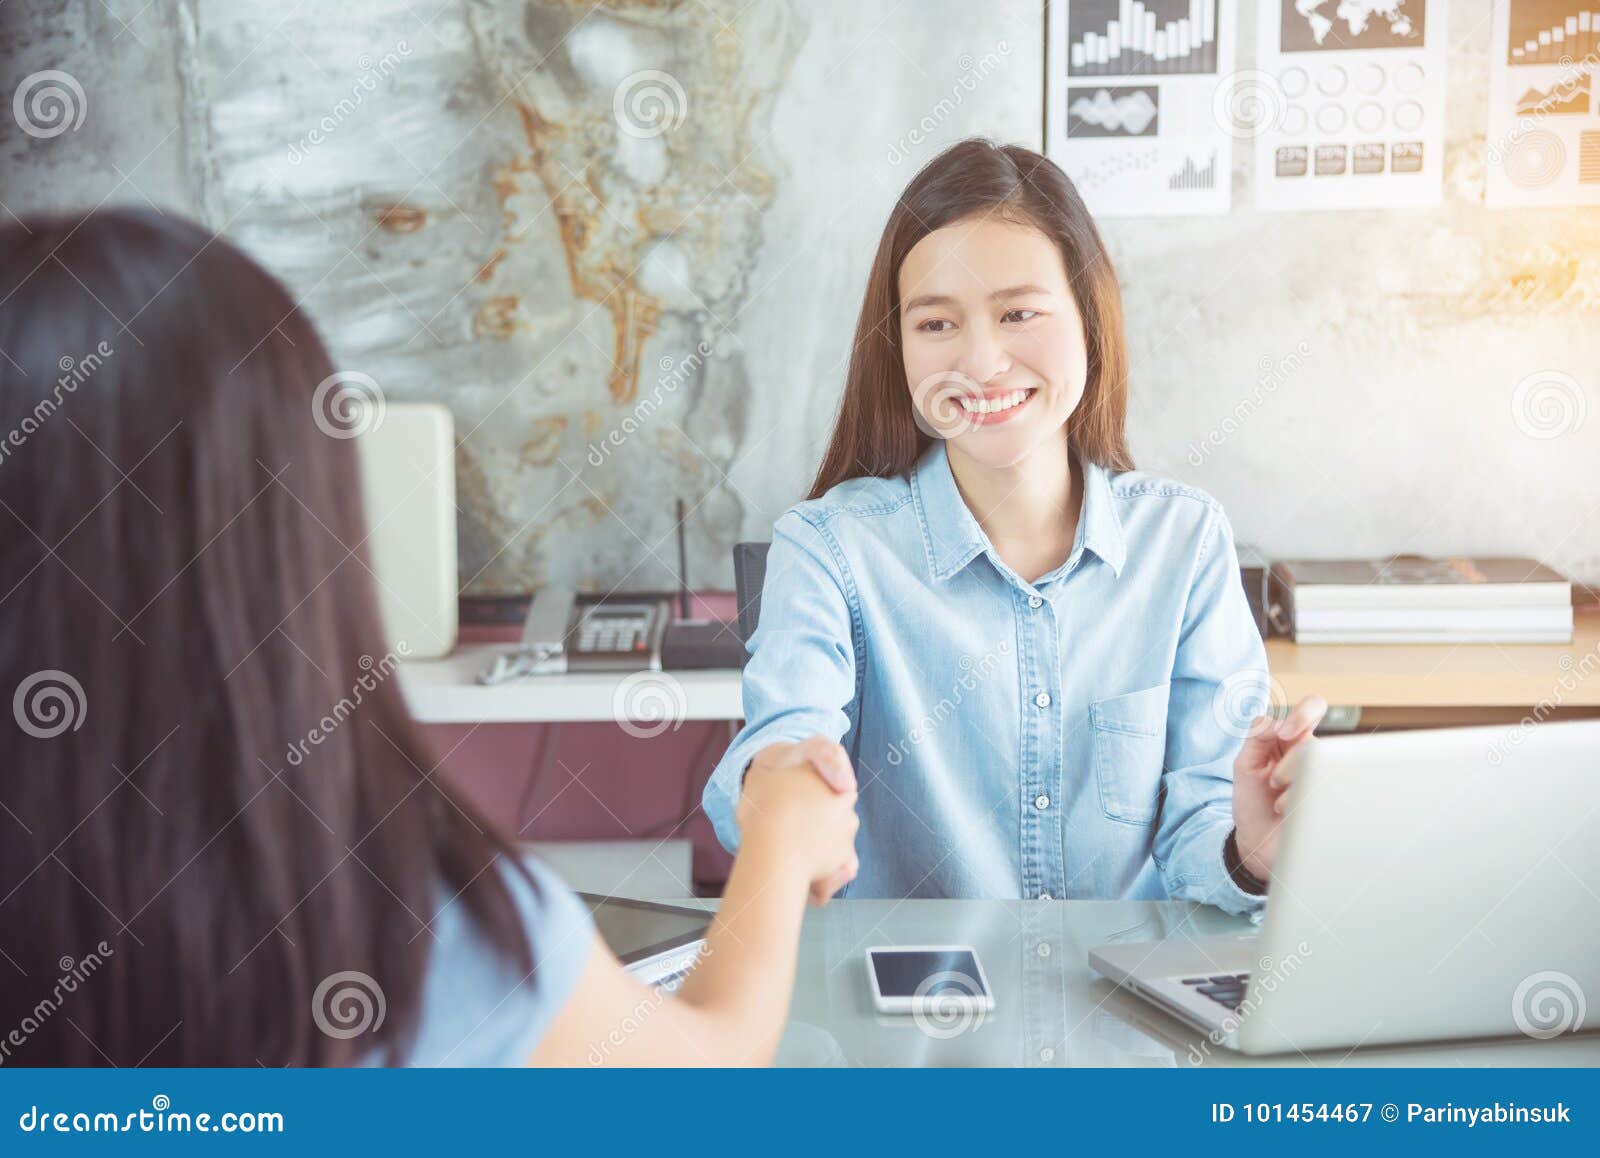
{"x": 658, "y": 944}
{"x": 1429, "y": 884}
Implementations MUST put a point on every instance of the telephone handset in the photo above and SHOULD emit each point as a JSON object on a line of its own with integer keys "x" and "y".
{"x": 567, "y": 632}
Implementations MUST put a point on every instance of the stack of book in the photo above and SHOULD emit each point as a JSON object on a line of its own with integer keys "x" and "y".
{"x": 1413, "y": 599}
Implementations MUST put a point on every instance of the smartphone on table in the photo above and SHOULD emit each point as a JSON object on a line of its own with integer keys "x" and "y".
{"x": 930, "y": 979}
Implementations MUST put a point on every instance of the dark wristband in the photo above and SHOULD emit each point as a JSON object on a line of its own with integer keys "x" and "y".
{"x": 1241, "y": 876}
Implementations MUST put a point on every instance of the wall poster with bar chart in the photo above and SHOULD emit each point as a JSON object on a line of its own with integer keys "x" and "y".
{"x": 1350, "y": 96}
{"x": 1544, "y": 122}
{"x": 1130, "y": 87}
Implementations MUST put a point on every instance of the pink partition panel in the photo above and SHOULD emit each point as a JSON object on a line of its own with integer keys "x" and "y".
{"x": 593, "y": 780}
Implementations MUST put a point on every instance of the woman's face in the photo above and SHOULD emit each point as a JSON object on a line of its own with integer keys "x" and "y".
{"x": 994, "y": 349}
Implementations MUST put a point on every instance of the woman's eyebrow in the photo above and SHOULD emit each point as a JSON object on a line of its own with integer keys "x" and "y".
{"x": 1011, "y": 291}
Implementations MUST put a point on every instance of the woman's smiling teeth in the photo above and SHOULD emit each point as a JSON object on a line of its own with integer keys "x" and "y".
{"x": 982, "y": 405}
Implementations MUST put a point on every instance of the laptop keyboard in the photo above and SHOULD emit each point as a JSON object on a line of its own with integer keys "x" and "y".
{"x": 1225, "y": 989}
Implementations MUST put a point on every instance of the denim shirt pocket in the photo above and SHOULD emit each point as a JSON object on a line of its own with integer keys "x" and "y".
{"x": 1130, "y": 746}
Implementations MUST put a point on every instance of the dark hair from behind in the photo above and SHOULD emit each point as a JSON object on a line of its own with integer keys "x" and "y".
{"x": 876, "y": 433}
{"x": 185, "y": 601}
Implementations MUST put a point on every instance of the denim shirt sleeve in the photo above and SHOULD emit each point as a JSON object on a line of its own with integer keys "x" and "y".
{"x": 1220, "y": 663}
{"x": 800, "y": 680}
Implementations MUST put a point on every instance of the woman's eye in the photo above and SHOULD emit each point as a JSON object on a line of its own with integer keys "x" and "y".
{"x": 934, "y": 326}
{"x": 1019, "y": 315}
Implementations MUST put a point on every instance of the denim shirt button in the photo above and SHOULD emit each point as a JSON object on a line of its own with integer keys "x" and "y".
{"x": 1044, "y": 896}
{"x": 1042, "y": 699}
{"x": 1047, "y": 1054}
{"x": 1035, "y": 602}
{"x": 1041, "y": 802}
{"x": 1043, "y": 949}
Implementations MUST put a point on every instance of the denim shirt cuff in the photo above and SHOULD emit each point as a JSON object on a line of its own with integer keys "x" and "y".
{"x": 727, "y": 781}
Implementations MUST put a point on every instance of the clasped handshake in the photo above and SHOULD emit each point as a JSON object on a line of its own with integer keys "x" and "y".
{"x": 797, "y": 814}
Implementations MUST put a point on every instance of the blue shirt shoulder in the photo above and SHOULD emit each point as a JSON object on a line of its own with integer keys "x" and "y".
{"x": 478, "y": 1008}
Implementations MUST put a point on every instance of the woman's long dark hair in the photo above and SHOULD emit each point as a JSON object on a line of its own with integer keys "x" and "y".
{"x": 189, "y": 854}
{"x": 876, "y": 433}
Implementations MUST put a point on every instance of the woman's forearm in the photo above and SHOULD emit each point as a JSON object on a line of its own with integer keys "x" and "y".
{"x": 744, "y": 979}
{"x": 732, "y": 1007}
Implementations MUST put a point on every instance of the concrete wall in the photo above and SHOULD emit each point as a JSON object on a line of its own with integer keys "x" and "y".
{"x": 445, "y": 184}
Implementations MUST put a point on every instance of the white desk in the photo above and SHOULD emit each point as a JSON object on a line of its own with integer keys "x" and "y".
{"x": 1052, "y": 1010}
{"x": 447, "y": 691}
{"x": 1394, "y": 685}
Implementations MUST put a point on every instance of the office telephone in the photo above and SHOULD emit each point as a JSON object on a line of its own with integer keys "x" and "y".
{"x": 568, "y": 632}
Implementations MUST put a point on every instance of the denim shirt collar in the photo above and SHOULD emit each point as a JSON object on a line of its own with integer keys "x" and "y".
{"x": 953, "y": 538}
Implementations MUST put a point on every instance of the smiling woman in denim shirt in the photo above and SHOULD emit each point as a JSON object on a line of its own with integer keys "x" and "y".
{"x": 1038, "y": 662}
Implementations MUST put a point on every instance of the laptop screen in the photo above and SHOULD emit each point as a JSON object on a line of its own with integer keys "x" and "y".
{"x": 637, "y": 931}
